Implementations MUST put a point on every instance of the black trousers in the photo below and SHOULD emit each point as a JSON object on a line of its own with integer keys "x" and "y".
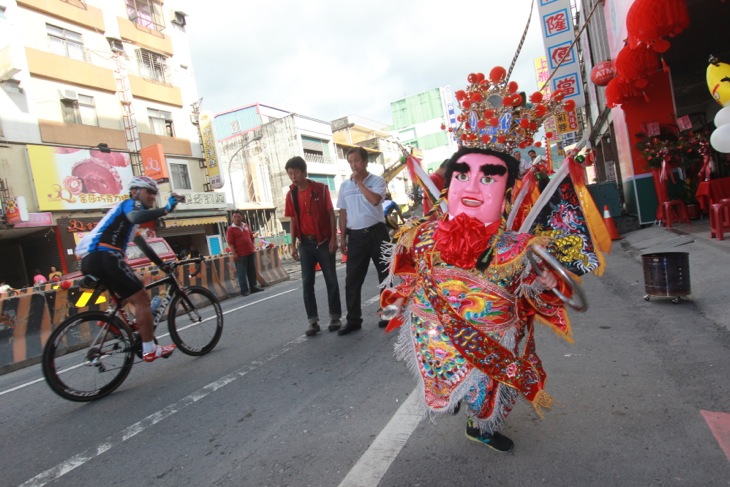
{"x": 362, "y": 247}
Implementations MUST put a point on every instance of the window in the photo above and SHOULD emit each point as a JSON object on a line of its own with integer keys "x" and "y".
{"x": 180, "y": 176}
{"x": 153, "y": 66}
{"x": 146, "y": 13}
{"x": 316, "y": 150}
{"x": 160, "y": 122}
{"x": 324, "y": 179}
{"x": 79, "y": 109}
{"x": 87, "y": 110}
{"x": 65, "y": 42}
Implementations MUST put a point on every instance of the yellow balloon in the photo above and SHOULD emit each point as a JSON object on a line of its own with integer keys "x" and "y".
{"x": 718, "y": 81}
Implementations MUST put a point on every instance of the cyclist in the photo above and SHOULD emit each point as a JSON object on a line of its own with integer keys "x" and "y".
{"x": 102, "y": 254}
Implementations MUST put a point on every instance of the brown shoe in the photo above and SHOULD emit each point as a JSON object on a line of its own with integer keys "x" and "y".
{"x": 312, "y": 330}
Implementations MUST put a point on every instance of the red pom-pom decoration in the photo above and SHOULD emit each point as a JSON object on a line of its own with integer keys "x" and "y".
{"x": 497, "y": 74}
{"x": 569, "y": 105}
{"x": 536, "y": 97}
{"x": 512, "y": 87}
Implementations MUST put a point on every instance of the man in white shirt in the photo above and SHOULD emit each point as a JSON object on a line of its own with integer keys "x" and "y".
{"x": 362, "y": 225}
{"x": 524, "y": 164}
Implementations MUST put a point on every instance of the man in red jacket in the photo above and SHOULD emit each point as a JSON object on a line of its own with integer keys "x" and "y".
{"x": 313, "y": 230}
{"x": 240, "y": 239}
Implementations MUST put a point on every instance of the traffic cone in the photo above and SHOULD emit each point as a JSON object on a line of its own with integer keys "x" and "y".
{"x": 610, "y": 225}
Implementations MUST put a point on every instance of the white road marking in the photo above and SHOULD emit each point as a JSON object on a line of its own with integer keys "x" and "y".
{"x": 370, "y": 468}
{"x": 111, "y": 441}
{"x": 35, "y": 381}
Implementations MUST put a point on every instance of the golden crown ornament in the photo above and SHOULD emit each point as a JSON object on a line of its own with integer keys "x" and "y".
{"x": 494, "y": 115}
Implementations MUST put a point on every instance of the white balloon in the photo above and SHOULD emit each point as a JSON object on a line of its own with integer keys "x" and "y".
{"x": 720, "y": 139}
{"x": 722, "y": 117}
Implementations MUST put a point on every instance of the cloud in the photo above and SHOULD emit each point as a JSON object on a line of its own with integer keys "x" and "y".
{"x": 328, "y": 59}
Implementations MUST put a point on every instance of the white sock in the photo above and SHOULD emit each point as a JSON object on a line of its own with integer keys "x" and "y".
{"x": 148, "y": 347}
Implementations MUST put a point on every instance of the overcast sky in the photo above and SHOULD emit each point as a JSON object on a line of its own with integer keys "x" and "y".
{"x": 327, "y": 59}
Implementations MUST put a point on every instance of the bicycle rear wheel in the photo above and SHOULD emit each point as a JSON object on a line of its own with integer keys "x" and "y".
{"x": 88, "y": 356}
{"x": 195, "y": 320}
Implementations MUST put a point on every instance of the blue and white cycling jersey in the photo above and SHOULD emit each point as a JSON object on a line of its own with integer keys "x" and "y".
{"x": 113, "y": 232}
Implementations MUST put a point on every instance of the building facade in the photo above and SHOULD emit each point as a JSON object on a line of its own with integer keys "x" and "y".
{"x": 93, "y": 93}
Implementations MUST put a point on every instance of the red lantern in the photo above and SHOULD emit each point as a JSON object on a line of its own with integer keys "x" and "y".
{"x": 635, "y": 64}
{"x": 602, "y": 73}
{"x": 648, "y": 21}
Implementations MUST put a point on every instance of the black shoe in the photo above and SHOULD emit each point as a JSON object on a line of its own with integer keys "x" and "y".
{"x": 335, "y": 325}
{"x": 383, "y": 323}
{"x": 245, "y": 293}
{"x": 312, "y": 330}
{"x": 256, "y": 289}
{"x": 495, "y": 441}
{"x": 456, "y": 409}
{"x": 348, "y": 328}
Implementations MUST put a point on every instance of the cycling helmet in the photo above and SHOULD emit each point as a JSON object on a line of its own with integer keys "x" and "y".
{"x": 143, "y": 182}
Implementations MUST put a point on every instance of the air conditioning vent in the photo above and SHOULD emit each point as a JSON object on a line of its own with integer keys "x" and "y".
{"x": 68, "y": 95}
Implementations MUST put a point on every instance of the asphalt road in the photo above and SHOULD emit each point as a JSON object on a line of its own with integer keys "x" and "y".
{"x": 271, "y": 407}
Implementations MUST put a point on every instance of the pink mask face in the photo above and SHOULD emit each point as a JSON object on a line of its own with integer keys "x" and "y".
{"x": 478, "y": 187}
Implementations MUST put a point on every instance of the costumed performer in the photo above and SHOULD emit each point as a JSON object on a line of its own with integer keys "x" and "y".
{"x": 466, "y": 296}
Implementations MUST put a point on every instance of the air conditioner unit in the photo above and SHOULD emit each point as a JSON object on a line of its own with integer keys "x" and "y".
{"x": 68, "y": 95}
{"x": 115, "y": 44}
{"x": 178, "y": 18}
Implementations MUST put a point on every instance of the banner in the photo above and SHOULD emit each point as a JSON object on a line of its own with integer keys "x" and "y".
{"x": 209, "y": 151}
{"x": 78, "y": 179}
{"x": 154, "y": 164}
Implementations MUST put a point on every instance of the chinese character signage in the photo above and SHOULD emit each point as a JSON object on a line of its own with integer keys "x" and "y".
{"x": 209, "y": 151}
{"x": 562, "y": 59}
{"x": 78, "y": 179}
{"x": 153, "y": 162}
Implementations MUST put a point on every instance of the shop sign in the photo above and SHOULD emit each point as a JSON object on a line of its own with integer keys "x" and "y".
{"x": 203, "y": 201}
{"x": 78, "y": 179}
{"x": 561, "y": 53}
{"x": 44, "y": 219}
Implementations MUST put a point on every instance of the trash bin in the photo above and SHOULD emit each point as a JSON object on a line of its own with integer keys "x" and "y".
{"x": 666, "y": 274}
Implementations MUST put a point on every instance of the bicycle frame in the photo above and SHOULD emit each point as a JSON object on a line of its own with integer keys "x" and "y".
{"x": 173, "y": 288}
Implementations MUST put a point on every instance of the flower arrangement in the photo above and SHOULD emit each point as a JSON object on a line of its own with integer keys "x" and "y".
{"x": 657, "y": 149}
{"x": 690, "y": 151}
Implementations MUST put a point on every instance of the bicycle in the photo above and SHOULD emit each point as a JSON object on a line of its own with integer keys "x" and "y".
{"x": 89, "y": 355}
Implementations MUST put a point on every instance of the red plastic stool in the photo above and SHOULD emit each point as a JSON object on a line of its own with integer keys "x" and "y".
{"x": 675, "y": 211}
{"x": 720, "y": 219}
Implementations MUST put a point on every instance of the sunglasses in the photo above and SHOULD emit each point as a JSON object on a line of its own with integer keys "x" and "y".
{"x": 151, "y": 191}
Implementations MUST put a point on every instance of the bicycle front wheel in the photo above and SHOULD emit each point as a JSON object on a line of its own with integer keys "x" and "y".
{"x": 195, "y": 320}
{"x": 88, "y": 356}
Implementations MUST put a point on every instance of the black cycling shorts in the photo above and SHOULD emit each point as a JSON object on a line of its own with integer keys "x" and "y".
{"x": 112, "y": 269}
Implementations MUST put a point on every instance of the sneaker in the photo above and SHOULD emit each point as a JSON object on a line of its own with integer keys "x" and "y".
{"x": 334, "y": 325}
{"x": 495, "y": 441}
{"x": 160, "y": 351}
{"x": 312, "y": 330}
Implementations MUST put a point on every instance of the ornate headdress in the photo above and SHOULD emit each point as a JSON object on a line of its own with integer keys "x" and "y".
{"x": 494, "y": 115}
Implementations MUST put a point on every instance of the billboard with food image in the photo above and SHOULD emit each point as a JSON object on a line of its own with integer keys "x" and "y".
{"x": 78, "y": 179}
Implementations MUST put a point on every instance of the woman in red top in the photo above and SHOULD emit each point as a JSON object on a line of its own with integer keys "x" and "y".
{"x": 240, "y": 238}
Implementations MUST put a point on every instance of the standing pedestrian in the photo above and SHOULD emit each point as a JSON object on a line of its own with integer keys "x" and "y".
{"x": 39, "y": 278}
{"x": 54, "y": 275}
{"x": 240, "y": 238}
{"x": 363, "y": 229}
{"x": 524, "y": 164}
{"x": 314, "y": 241}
